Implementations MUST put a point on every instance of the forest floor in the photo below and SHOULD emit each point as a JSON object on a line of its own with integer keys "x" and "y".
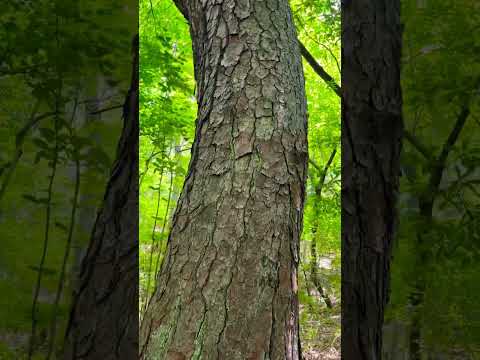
{"x": 320, "y": 338}
{"x": 320, "y": 326}
{"x": 330, "y": 354}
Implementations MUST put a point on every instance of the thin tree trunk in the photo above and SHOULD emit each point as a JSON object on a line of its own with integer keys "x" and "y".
{"x": 160, "y": 252}
{"x": 228, "y": 286}
{"x": 103, "y": 322}
{"x": 53, "y": 164}
{"x": 71, "y": 228}
{"x": 314, "y": 273}
{"x": 316, "y": 211}
{"x": 152, "y": 243}
{"x": 371, "y": 141}
{"x": 307, "y": 282}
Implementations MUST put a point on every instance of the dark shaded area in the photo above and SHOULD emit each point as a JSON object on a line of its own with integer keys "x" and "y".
{"x": 434, "y": 311}
{"x": 105, "y": 307}
{"x": 371, "y": 142}
{"x": 65, "y": 71}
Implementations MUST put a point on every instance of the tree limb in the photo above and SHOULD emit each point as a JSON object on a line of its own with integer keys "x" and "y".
{"x": 19, "y": 140}
{"x": 314, "y": 164}
{"x": 320, "y": 70}
{"x": 106, "y": 109}
{"x": 417, "y": 145}
{"x": 324, "y": 172}
{"x": 338, "y": 90}
{"x": 440, "y": 162}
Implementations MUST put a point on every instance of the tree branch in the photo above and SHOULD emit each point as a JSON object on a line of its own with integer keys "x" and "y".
{"x": 19, "y": 140}
{"x": 182, "y": 7}
{"x": 320, "y": 70}
{"x": 418, "y": 145}
{"x": 338, "y": 90}
{"x": 323, "y": 174}
{"x": 314, "y": 164}
{"x": 106, "y": 109}
{"x": 447, "y": 147}
{"x": 28, "y": 126}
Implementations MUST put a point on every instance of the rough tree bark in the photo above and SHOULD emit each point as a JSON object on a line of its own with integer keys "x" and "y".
{"x": 371, "y": 142}
{"x": 227, "y": 288}
{"x": 103, "y": 322}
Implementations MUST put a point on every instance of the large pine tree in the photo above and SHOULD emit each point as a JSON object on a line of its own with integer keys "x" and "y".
{"x": 227, "y": 288}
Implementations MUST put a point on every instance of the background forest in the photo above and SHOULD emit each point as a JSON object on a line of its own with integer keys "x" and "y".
{"x": 167, "y": 122}
{"x": 433, "y": 311}
{"x": 65, "y": 67}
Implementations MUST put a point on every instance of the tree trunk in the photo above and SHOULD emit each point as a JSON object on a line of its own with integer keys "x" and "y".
{"x": 227, "y": 288}
{"x": 103, "y": 322}
{"x": 314, "y": 272}
{"x": 315, "y": 227}
{"x": 371, "y": 142}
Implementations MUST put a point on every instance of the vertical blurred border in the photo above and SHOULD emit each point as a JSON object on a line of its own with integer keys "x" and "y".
{"x": 410, "y": 180}
{"x": 69, "y": 179}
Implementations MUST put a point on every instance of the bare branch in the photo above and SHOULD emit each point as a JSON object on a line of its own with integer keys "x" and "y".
{"x": 320, "y": 70}
{"x": 440, "y": 163}
{"x": 314, "y": 164}
{"x": 19, "y": 140}
{"x": 417, "y": 145}
{"x": 338, "y": 90}
{"x": 323, "y": 175}
{"x": 106, "y": 109}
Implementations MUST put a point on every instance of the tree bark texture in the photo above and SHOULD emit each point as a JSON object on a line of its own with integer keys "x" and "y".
{"x": 103, "y": 322}
{"x": 227, "y": 288}
{"x": 371, "y": 142}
